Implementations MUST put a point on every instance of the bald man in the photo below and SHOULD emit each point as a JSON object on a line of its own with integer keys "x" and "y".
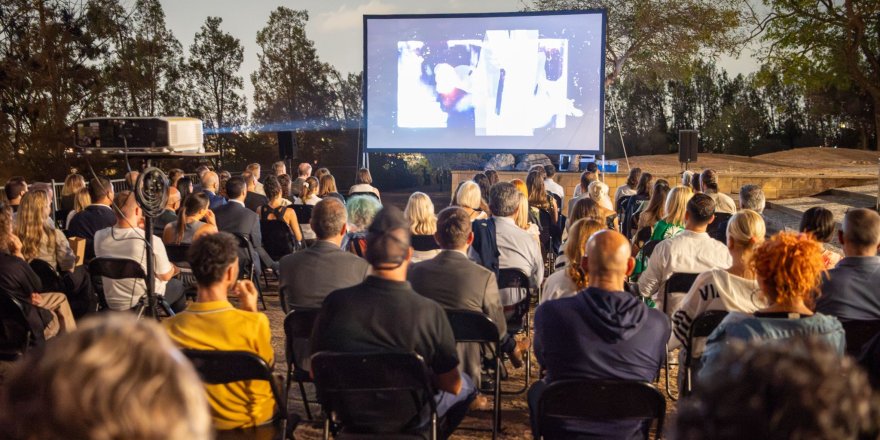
{"x": 211, "y": 186}
{"x": 603, "y": 332}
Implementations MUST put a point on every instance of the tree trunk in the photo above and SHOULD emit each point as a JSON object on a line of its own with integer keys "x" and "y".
{"x": 877, "y": 122}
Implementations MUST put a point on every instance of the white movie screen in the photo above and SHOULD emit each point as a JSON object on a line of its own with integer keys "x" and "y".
{"x": 489, "y": 83}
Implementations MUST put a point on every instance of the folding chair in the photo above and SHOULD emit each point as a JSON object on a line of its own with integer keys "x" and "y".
{"x": 123, "y": 269}
{"x": 375, "y": 395}
{"x": 177, "y": 254}
{"x": 366, "y": 193}
{"x": 15, "y": 332}
{"x": 858, "y": 333}
{"x": 677, "y": 283}
{"x": 519, "y": 322}
{"x": 474, "y": 327}
{"x": 216, "y": 367}
{"x": 598, "y": 400}
{"x": 49, "y": 277}
{"x": 247, "y": 263}
{"x": 701, "y": 327}
{"x": 298, "y": 327}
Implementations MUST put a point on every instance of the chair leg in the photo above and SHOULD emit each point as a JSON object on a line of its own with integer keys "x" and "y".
{"x": 496, "y": 410}
{"x": 327, "y": 427}
{"x": 668, "y": 388}
{"x": 260, "y": 291}
{"x": 302, "y": 392}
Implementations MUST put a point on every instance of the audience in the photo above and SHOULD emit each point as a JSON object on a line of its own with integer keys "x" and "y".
{"x": 169, "y": 214}
{"x": 235, "y": 219}
{"x": 81, "y": 201}
{"x": 800, "y": 390}
{"x": 15, "y": 188}
{"x": 364, "y": 184}
{"x": 126, "y": 240}
{"x": 308, "y": 196}
{"x": 788, "y": 267}
{"x": 190, "y": 226}
{"x": 174, "y": 176}
{"x": 483, "y": 182}
{"x": 687, "y": 177}
{"x": 752, "y": 197}
{"x": 545, "y": 205}
{"x": 304, "y": 171}
{"x": 469, "y": 198}
{"x": 527, "y": 217}
{"x": 361, "y": 211}
{"x": 819, "y": 223}
{"x": 636, "y": 202}
{"x": 586, "y": 179}
{"x": 254, "y": 170}
{"x": 551, "y": 185}
{"x": 384, "y": 314}
{"x": 695, "y": 184}
{"x": 573, "y": 279}
{"x": 185, "y": 186}
{"x": 115, "y": 377}
{"x": 690, "y": 251}
{"x": 253, "y": 199}
{"x": 849, "y": 290}
{"x": 130, "y": 180}
{"x": 279, "y": 168}
{"x": 286, "y": 197}
{"x": 321, "y": 173}
{"x": 73, "y": 184}
{"x": 603, "y": 332}
{"x": 328, "y": 187}
{"x": 709, "y": 184}
{"x": 492, "y": 175}
{"x": 42, "y": 241}
{"x": 628, "y": 188}
{"x": 275, "y": 209}
{"x": 211, "y": 187}
{"x": 598, "y": 192}
{"x": 95, "y": 217}
{"x": 419, "y": 213}
{"x": 456, "y": 283}
{"x": 308, "y": 276}
{"x": 201, "y": 170}
{"x": 213, "y": 323}
{"x": 652, "y": 212}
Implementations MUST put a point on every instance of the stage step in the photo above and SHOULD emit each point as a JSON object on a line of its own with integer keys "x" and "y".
{"x": 868, "y": 193}
{"x": 838, "y": 202}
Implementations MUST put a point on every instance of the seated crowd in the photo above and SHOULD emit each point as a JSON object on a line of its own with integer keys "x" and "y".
{"x": 621, "y": 280}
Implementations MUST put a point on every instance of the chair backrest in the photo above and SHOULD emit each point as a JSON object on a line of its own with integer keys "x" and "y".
{"x": 424, "y": 243}
{"x": 858, "y": 333}
{"x": 364, "y": 193}
{"x": 706, "y": 323}
{"x": 245, "y": 256}
{"x": 374, "y": 392}
{"x": 177, "y": 254}
{"x": 49, "y": 278}
{"x": 278, "y": 239}
{"x": 599, "y": 400}
{"x": 471, "y": 326}
{"x": 221, "y": 367}
{"x": 680, "y": 282}
{"x": 297, "y": 325}
{"x": 117, "y": 268}
{"x": 718, "y": 228}
{"x": 15, "y": 332}
{"x": 512, "y": 278}
{"x": 303, "y": 213}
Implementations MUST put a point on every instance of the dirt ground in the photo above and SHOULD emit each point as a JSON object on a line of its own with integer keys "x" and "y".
{"x": 801, "y": 161}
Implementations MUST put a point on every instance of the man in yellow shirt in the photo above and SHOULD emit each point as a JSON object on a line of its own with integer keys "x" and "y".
{"x": 212, "y": 323}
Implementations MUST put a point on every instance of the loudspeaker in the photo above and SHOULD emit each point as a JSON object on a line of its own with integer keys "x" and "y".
{"x": 286, "y": 145}
{"x": 688, "y": 140}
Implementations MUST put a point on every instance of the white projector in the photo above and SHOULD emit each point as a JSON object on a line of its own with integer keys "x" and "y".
{"x": 165, "y": 134}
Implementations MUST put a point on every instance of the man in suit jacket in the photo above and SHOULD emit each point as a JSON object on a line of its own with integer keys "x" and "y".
{"x": 210, "y": 186}
{"x": 93, "y": 218}
{"x": 234, "y": 218}
{"x": 456, "y": 282}
{"x": 253, "y": 199}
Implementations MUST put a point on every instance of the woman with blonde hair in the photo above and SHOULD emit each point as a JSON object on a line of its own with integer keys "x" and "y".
{"x": 39, "y": 239}
{"x": 423, "y": 224}
{"x": 116, "y": 377}
{"x": 671, "y": 224}
{"x": 734, "y": 289}
{"x": 81, "y": 201}
{"x": 789, "y": 269}
{"x": 598, "y": 192}
{"x": 328, "y": 188}
{"x": 469, "y": 198}
{"x": 73, "y": 184}
{"x": 568, "y": 282}
{"x": 526, "y": 216}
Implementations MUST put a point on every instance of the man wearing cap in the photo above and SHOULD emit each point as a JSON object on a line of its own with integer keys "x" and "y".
{"x": 385, "y": 314}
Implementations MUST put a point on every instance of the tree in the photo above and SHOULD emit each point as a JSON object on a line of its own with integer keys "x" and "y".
{"x": 823, "y": 44}
{"x": 639, "y": 33}
{"x": 216, "y": 94}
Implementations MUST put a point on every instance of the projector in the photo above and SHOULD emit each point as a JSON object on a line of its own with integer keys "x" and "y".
{"x": 165, "y": 134}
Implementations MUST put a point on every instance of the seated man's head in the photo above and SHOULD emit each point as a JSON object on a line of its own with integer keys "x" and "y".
{"x": 280, "y": 168}
{"x": 752, "y": 197}
{"x": 115, "y": 377}
{"x": 14, "y": 190}
{"x": 860, "y": 235}
{"x": 254, "y": 169}
{"x": 101, "y": 191}
{"x": 214, "y": 261}
{"x": 236, "y": 188}
{"x": 129, "y": 213}
{"x": 504, "y": 199}
{"x": 210, "y": 181}
{"x": 201, "y": 170}
{"x": 800, "y": 389}
{"x": 131, "y": 178}
{"x": 329, "y": 220}
{"x": 388, "y": 242}
{"x": 700, "y": 212}
{"x": 608, "y": 260}
{"x": 304, "y": 170}
{"x": 454, "y": 229}
{"x": 249, "y": 180}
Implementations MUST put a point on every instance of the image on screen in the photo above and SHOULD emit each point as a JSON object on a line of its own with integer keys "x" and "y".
{"x": 522, "y": 82}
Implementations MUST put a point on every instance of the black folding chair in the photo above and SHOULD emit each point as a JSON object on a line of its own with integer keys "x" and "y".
{"x": 15, "y": 332}
{"x": 474, "y": 327}
{"x": 216, "y": 367}
{"x": 178, "y": 254}
{"x": 298, "y": 328}
{"x": 677, "y": 283}
{"x": 858, "y": 333}
{"x": 518, "y": 319}
{"x": 701, "y": 327}
{"x": 375, "y": 394}
{"x": 598, "y": 400}
{"x": 247, "y": 256}
{"x": 49, "y": 277}
{"x": 365, "y": 193}
{"x": 123, "y": 269}
{"x": 718, "y": 228}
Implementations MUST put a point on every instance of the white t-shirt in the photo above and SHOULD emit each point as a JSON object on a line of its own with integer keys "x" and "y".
{"x": 713, "y": 290}
{"x": 129, "y": 243}
{"x": 558, "y": 285}
{"x": 623, "y": 190}
{"x": 555, "y": 188}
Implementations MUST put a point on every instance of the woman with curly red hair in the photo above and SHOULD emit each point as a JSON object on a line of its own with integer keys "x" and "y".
{"x": 788, "y": 267}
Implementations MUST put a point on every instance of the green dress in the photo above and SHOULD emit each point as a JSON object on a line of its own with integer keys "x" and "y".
{"x": 662, "y": 231}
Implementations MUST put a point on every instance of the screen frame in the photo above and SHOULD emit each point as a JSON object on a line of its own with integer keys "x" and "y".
{"x": 379, "y": 17}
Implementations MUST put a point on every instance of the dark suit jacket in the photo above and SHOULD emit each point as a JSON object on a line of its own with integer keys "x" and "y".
{"x": 455, "y": 282}
{"x": 310, "y": 275}
{"x": 253, "y": 201}
{"x": 216, "y": 200}
{"x": 88, "y": 221}
{"x": 236, "y": 219}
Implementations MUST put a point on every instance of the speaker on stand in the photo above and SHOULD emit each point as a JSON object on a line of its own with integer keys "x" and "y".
{"x": 688, "y": 141}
